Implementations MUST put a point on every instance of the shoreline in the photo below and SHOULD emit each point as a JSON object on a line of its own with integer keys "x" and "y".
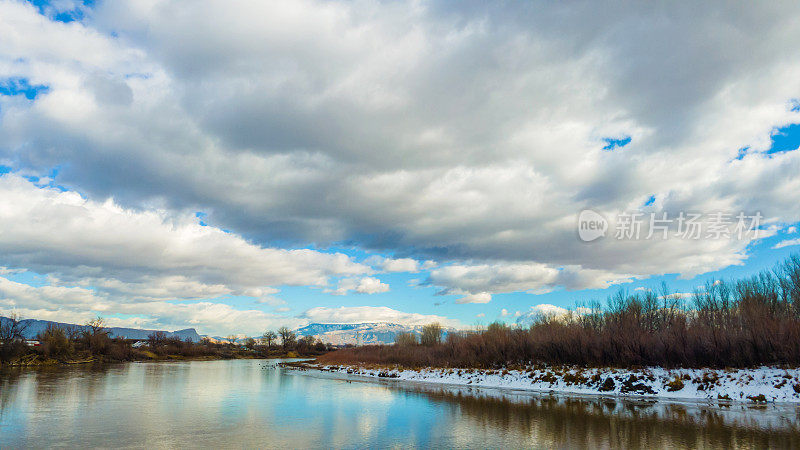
{"x": 53, "y": 363}
{"x": 763, "y": 385}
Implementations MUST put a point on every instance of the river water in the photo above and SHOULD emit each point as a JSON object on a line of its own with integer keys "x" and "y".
{"x": 254, "y": 403}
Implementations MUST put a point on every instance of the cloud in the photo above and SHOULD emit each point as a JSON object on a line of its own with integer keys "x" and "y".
{"x": 363, "y": 314}
{"x": 365, "y": 285}
{"x": 396, "y": 265}
{"x": 787, "y": 243}
{"x": 478, "y": 282}
{"x": 480, "y": 297}
{"x": 103, "y": 258}
{"x": 295, "y": 147}
{"x": 265, "y": 296}
{"x": 149, "y": 254}
{"x": 467, "y": 137}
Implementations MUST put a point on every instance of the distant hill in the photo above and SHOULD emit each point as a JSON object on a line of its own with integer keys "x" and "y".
{"x": 34, "y": 327}
{"x": 334, "y": 333}
{"x": 358, "y": 333}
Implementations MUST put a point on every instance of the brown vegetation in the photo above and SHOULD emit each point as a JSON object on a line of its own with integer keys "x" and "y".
{"x": 744, "y": 323}
{"x": 93, "y": 343}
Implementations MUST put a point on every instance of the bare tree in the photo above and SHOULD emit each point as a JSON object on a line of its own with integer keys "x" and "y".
{"x": 156, "y": 339}
{"x": 12, "y": 331}
{"x": 308, "y": 341}
{"x": 96, "y": 325}
{"x": 431, "y": 334}
{"x": 405, "y": 340}
{"x": 287, "y": 337}
{"x": 269, "y": 338}
{"x": 12, "y": 328}
{"x": 96, "y": 336}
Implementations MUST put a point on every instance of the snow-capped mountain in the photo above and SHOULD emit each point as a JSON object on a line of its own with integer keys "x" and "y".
{"x": 357, "y": 333}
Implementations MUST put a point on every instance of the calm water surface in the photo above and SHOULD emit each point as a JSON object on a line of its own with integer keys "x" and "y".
{"x": 252, "y": 403}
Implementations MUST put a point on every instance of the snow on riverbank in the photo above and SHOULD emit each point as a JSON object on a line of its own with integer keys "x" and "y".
{"x": 759, "y": 385}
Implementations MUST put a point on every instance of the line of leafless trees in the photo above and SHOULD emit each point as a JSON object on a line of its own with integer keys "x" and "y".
{"x": 742, "y": 323}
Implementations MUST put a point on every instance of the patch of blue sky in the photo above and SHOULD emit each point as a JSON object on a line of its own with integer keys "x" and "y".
{"x": 785, "y": 139}
{"x": 401, "y": 296}
{"x": 21, "y": 86}
{"x": 28, "y": 277}
{"x": 614, "y": 143}
{"x": 202, "y": 216}
{"x": 124, "y": 316}
{"x": 50, "y": 176}
{"x": 56, "y": 11}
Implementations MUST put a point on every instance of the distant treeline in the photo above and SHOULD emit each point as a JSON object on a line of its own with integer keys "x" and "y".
{"x": 92, "y": 342}
{"x": 742, "y": 323}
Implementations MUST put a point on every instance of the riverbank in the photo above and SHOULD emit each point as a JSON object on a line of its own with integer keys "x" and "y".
{"x": 36, "y": 360}
{"x": 758, "y": 385}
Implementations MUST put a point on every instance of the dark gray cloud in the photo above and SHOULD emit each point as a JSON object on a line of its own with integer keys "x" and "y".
{"x": 458, "y": 132}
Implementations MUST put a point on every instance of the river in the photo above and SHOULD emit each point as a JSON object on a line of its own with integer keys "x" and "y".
{"x": 254, "y": 403}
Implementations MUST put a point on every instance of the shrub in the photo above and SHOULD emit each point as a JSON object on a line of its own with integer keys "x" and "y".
{"x": 55, "y": 342}
{"x": 675, "y": 385}
{"x": 405, "y": 340}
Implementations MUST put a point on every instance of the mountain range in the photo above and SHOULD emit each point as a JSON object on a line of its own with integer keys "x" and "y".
{"x": 33, "y": 327}
{"x": 334, "y": 333}
{"x": 358, "y": 333}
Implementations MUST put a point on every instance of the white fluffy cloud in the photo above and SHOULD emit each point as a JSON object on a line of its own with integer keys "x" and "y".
{"x": 479, "y": 297}
{"x": 397, "y": 265}
{"x": 365, "y": 285}
{"x": 145, "y": 253}
{"x": 362, "y": 314}
{"x": 471, "y": 135}
{"x": 787, "y": 243}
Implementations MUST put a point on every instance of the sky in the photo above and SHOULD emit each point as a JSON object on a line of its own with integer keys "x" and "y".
{"x": 240, "y": 166}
